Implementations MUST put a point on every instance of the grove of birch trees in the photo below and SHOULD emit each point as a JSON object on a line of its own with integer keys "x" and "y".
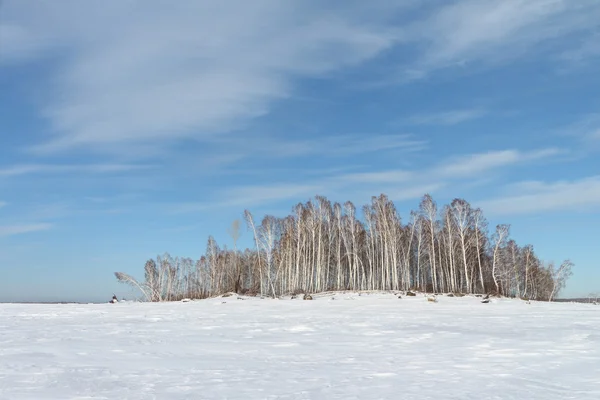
{"x": 322, "y": 247}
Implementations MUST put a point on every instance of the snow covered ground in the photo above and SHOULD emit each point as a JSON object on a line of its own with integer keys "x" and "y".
{"x": 372, "y": 346}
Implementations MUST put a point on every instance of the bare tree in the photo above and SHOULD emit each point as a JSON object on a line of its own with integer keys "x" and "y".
{"x": 429, "y": 211}
{"x": 251, "y": 225}
{"x": 235, "y": 233}
{"x": 480, "y": 228}
{"x": 499, "y": 240}
{"x": 322, "y": 247}
{"x": 559, "y": 277}
{"x": 129, "y": 280}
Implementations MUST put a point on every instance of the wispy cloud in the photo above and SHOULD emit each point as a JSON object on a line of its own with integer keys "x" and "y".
{"x": 538, "y": 197}
{"x": 589, "y": 128}
{"x": 231, "y": 151}
{"x": 414, "y": 191}
{"x": 588, "y": 50}
{"x": 261, "y": 194}
{"x": 447, "y": 118}
{"x": 398, "y": 184}
{"x": 488, "y": 31}
{"x": 585, "y": 128}
{"x": 199, "y": 69}
{"x": 475, "y": 164}
{"x": 3, "y": 204}
{"x": 252, "y": 195}
{"x": 26, "y": 169}
{"x": 595, "y": 135}
{"x": 192, "y": 70}
{"x": 339, "y": 145}
{"x": 395, "y": 176}
{"x": 11, "y": 230}
{"x": 374, "y": 143}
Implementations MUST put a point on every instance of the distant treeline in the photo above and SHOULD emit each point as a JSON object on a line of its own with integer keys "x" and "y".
{"x": 323, "y": 246}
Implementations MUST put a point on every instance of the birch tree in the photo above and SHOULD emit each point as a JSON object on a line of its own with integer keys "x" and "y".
{"x": 559, "y": 277}
{"x": 429, "y": 211}
{"x": 499, "y": 240}
{"x": 321, "y": 246}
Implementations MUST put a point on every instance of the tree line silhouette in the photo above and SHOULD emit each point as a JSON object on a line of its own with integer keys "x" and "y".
{"x": 322, "y": 246}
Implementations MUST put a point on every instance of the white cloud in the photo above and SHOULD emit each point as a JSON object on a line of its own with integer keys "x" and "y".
{"x": 201, "y": 68}
{"x": 539, "y": 197}
{"x": 337, "y": 188}
{"x": 261, "y": 194}
{"x": 340, "y": 145}
{"x": 252, "y": 195}
{"x": 414, "y": 191}
{"x": 586, "y": 128}
{"x": 17, "y": 43}
{"x": 447, "y": 118}
{"x": 395, "y": 176}
{"x": 398, "y": 184}
{"x": 3, "y": 204}
{"x": 487, "y": 31}
{"x": 475, "y": 164}
{"x": 336, "y": 145}
{"x": 189, "y": 70}
{"x": 26, "y": 169}
{"x": 595, "y": 135}
{"x": 11, "y": 230}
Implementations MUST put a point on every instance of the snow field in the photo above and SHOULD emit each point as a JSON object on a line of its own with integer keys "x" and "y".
{"x": 338, "y": 346}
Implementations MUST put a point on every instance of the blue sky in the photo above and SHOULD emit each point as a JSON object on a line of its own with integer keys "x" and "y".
{"x": 131, "y": 128}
